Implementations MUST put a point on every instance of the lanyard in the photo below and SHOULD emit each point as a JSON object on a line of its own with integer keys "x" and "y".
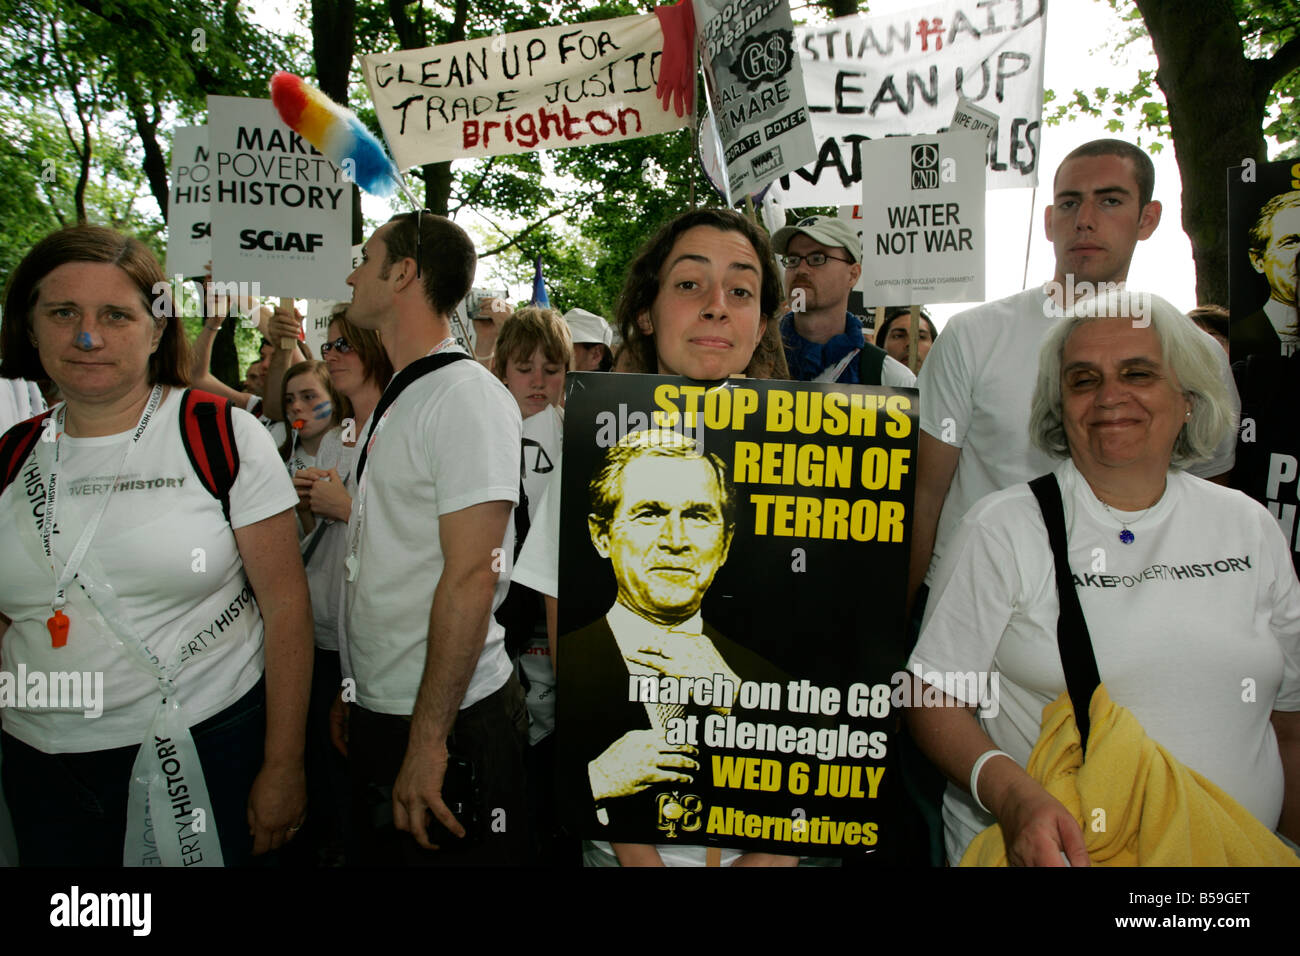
{"x": 430, "y": 362}
{"x": 58, "y": 622}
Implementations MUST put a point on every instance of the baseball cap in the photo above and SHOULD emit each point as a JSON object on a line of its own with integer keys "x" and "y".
{"x": 587, "y": 328}
{"x": 827, "y": 230}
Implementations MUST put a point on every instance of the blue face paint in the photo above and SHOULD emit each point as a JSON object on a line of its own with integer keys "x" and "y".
{"x": 322, "y": 411}
{"x": 84, "y": 341}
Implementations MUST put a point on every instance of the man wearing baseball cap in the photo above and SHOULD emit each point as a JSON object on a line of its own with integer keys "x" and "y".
{"x": 823, "y": 341}
{"x": 591, "y": 338}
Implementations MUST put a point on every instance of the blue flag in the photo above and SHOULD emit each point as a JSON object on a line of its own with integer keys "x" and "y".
{"x": 539, "y": 286}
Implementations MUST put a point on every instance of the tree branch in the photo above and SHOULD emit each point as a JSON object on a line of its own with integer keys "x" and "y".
{"x": 477, "y": 187}
{"x": 1285, "y": 59}
{"x": 524, "y": 232}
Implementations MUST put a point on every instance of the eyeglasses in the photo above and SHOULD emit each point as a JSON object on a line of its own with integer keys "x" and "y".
{"x": 340, "y": 343}
{"x": 814, "y": 259}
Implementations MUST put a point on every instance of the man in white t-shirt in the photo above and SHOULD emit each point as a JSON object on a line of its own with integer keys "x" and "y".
{"x": 978, "y": 379}
{"x": 439, "y": 720}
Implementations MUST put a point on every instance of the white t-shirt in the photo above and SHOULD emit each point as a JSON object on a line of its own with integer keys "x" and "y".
{"x": 299, "y": 457}
{"x": 450, "y": 441}
{"x": 325, "y": 567}
{"x": 896, "y": 374}
{"x": 977, "y": 384}
{"x": 171, "y": 558}
{"x": 1202, "y": 600}
{"x": 538, "y": 566}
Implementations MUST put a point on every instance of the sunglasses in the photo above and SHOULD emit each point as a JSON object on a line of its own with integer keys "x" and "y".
{"x": 340, "y": 343}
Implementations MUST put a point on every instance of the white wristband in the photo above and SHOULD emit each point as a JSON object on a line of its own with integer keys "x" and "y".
{"x": 984, "y": 758}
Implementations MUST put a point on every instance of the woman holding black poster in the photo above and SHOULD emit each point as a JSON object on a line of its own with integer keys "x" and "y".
{"x": 699, "y": 301}
{"x": 1192, "y": 614}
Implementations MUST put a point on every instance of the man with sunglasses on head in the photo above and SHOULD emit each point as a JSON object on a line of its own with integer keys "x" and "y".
{"x": 823, "y": 341}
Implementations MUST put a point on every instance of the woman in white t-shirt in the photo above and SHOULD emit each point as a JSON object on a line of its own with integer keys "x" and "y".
{"x": 1186, "y": 587}
{"x": 125, "y": 583}
{"x": 699, "y": 300}
{"x": 356, "y": 370}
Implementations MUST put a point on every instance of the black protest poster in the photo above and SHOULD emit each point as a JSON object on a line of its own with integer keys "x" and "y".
{"x": 1263, "y": 242}
{"x": 733, "y": 561}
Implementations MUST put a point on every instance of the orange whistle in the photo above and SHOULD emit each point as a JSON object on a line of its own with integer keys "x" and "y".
{"x": 58, "y": 625}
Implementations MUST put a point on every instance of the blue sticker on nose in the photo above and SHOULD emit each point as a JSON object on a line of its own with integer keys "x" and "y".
{"x": 84, "y": 341}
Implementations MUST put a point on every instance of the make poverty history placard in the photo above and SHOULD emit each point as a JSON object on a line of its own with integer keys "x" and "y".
{"x": 733, "y": 561}
{"x": 281, "y": 212}
{"x": 569, "y": 85}
{"x": 755, "y": 91}
{"x": 922, "y": 214}
{"x": 189, "y": 226}
{"x": 901, "y": 73}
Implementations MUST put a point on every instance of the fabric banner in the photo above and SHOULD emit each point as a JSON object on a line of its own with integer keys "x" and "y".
{"x": 755, "y": 90}
{"x": 723, "y": 680}
{"x": 569, "y": 85}
{"x": 923, "y": 219}
{"x": 902, "y": 73}
{"x": 281, "y": 212}
{"x": 189, "y": 229}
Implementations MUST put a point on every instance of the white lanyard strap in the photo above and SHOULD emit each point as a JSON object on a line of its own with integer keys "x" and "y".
{"x": 88, "y": 533}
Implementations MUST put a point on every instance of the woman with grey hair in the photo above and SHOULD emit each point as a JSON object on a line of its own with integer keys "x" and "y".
{"x": 1187, "y": 588}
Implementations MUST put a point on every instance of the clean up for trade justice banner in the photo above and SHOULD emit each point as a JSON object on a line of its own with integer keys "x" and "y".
{"x": 733, "y": 561}
{"x": 569, "y": 85}
{"x": 902, "y": 73}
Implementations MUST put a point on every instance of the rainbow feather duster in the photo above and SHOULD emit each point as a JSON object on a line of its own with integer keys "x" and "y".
{"x": 336, "y": 132}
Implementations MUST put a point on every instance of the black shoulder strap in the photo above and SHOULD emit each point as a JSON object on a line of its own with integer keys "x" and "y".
{"x": 1072, "y": 638}
{"x": 417, "y": 369}
{"x": 208, "y": 435}
{"x": 16, "y": 444}
{"x": 871, "y": 364}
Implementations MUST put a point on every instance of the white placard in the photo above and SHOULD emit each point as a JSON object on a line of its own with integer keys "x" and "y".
{"x": 755, "y": 90}
{"x": 923, "y": 219}
{"x": 569, "y": 85}
{"x": 281, "y": 212}
{"x": 902, "y": 73}
{"x": 189, "y": 242}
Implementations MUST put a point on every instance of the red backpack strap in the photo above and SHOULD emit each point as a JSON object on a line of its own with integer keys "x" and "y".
{"x": 16, "y": 444}
{"x": 209, "y": 438}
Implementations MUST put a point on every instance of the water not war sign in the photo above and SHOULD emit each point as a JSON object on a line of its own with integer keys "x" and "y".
{"x": 569, "y": 85}
{"x": 281, "y": 212}
{"x": 923, "y": 219}
{"x": 901, "y": 73}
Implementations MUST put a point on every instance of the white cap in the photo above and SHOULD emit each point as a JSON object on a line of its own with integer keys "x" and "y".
{"x": 587, "y": 328}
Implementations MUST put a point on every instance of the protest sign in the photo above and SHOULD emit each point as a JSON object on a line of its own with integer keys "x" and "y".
{"x": 923, "y": 219}
{"x": 281, "y": 212}
{"x": 711, "y": 608}
{"x": 1263, "y": 223}
{"x": 189, "y": 243}
{"x": 755, "y": 91}
{"x": 902, "y": 73}
{"x": 569, "y": 85}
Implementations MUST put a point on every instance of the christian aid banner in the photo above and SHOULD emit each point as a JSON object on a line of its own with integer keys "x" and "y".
{"x": 902, "y": 73}
{"x": 922, "y": 221}
{"x": 569, "y": 85}
{"x": 281, "y": 212}
{"x": 755, "y": 91}
{"x": 189, "y": 229}
{"x": 723, "y": 679}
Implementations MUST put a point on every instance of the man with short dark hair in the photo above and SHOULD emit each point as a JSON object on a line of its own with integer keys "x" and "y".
{"x": 1274, "y": 244}
{"x": 823, "y": 341}
{"x": 439, "y": 717}
{"x": 978, "y": 379}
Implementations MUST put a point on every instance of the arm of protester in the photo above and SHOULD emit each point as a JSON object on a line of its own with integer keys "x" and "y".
{"x": 936, "y": 463}
{"x": 278, "y": 800}
{"x": 339, "y": 723}
{"x": 283, "y": 324}
{"x": 1286, "y": 724}
{"x": 1036, "y": 827}
{"x": 766, "y": 859}
{"x": 458, "y": 625}
{"x": 637, "y": 854}
{"x": 552, "y": 624}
